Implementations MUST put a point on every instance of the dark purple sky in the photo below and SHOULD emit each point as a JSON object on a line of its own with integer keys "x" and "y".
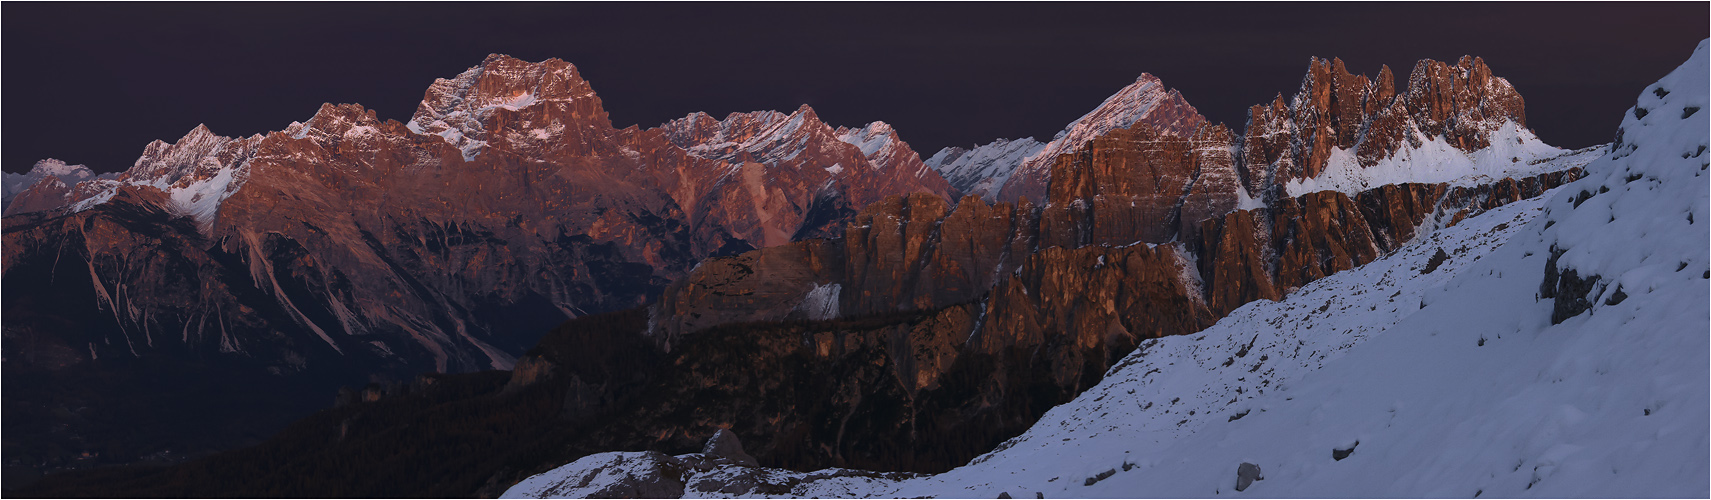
{"x": 93, "y": 83}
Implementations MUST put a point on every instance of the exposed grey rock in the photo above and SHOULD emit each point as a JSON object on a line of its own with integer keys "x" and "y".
{"x": 1004, "y": 494}
{"x": 1246, "y": 474}
{"x": 1339, "y": 454}
{"x": 724, "y": 444}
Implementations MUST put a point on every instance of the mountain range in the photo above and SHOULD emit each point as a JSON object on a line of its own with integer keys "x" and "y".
{"x": 823, "y": 292}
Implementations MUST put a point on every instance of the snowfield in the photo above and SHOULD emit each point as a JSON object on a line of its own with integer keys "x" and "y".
{"x": 1514, "y": 153}
{"x": 1401, "y": 378}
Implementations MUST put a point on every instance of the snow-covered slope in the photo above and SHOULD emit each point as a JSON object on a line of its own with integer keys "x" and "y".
{"x": 982, "y": 170}
{"x": 197, "y": 173}
{"x": 1514, "y": 153}
{"x": 69, "y": 174}
{"x": 879, "y": 143}
{"x": 1420, "y": 374}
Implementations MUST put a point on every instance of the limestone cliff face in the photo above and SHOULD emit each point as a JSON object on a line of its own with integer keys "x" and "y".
{"x": 1137, "y": 185}
{"x": 1146, "y": 102}
{"x": 1143, "y": 235}
{"x": 1462, "y": 103}
{"x": 1259, "y": 254}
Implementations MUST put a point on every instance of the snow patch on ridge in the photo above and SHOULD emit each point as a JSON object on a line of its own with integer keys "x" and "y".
{"x": 985, "y": 168}
{"x": 821, "y": 303}
{"x": 1514, "y": 153}
{"x": 70, "y": 175}
{"x": 197, "y": 173}
{"x": 871, "y": 139}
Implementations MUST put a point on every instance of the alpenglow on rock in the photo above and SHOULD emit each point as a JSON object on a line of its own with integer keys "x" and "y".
{"x": 346, "y": 246}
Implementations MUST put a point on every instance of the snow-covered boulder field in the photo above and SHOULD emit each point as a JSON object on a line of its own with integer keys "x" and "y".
{"x": 1556, "y": 347}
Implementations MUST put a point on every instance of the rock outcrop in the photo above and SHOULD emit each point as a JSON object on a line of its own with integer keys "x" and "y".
{"x": 725, "y": 444}
{"x": 1145, "y": 102}
{"x": 1246, "y": 474}
{"x": 1335, "y": 112}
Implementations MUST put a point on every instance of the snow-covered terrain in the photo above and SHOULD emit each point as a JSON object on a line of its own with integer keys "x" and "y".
{"x": 1418, "y": 374}
{"x": 12, "y": 184}
{"x": 197, "y": 173}
{"x": 982, "y": 170}
{"x": 1514, "y": 153}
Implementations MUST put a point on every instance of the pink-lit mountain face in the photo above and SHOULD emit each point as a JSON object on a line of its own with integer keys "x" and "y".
{"x": 509, "y": 186}
{"x": 348, "y": 249}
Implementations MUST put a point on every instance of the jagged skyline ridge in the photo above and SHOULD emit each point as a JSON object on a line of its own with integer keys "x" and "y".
{"x": 952, "y": 85}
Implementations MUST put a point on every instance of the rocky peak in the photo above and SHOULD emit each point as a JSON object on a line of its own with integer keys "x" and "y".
{"x": 162, "y": 162}
{"x": 58, "y": 168}
{"x": 982, "y": 170}
{"x": 785, "y": 140}
{"x": 49, "y": 168}
{"x": 539, "y": 101}
{"x": 1336, "y": 113}
{"x": 1465, "y": 91}
{"x": 873, "y": 139}
{"x": 1145, "y": 101}
{"x": 336, "y": 119}
{"x": 47, "y": 194}
{"x": 887, "y": 153}
{"x": 702, "y": 136}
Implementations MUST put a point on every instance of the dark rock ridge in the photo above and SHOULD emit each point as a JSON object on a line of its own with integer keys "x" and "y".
{"x": 359, "y": 247}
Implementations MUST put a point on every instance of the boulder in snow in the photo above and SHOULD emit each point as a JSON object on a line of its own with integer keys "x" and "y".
{"x": 724, "y": 444}
{"x": 1246, "y": 474}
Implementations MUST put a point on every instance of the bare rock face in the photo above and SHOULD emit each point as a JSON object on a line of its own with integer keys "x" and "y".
{"x": 1139, "y": 185}
{"x": 1090, "y": 306}
{"x": 1258, "y": 254}
{"x": 1145, "y": 102}
{"x": 903, "y": 253}
{"x": 802, "y": 280}
{"x": 47, "y": 194}
{"x": 889, "y": 246}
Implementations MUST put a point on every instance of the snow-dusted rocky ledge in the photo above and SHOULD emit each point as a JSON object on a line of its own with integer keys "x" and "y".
{"x": 1514, "y": 153}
